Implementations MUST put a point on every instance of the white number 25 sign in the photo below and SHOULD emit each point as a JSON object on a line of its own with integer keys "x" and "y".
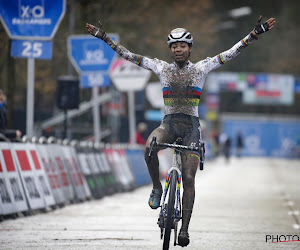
{"x": 31, "y": 49}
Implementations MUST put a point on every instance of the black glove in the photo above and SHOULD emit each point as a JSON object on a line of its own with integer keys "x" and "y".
{"x": 261, "y": 28}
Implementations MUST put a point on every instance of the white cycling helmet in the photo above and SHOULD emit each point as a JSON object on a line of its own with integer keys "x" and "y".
{"x": 180, "y": 35}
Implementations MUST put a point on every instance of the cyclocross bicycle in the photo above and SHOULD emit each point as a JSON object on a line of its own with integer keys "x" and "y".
{"x": 171, "y": 212}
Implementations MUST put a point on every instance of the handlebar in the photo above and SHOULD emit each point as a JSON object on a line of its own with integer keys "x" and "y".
{"x": 200, "y": 149}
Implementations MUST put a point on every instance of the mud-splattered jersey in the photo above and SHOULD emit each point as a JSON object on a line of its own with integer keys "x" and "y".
{"x": 182, "y": 88}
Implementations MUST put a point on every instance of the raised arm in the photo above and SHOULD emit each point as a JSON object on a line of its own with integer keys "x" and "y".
{"x": 122, "y": 51}
{"x": 220, "y": 59}
{"x": 262, "y": 27}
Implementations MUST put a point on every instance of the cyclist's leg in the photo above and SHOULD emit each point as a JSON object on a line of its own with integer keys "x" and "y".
{"x": 163, "y": 134}
{"x": 190, "y": 163}
{"x": 189, "y": 169}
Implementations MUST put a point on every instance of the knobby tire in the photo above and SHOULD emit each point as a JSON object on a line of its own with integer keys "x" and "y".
{"x": 170, "y": 209}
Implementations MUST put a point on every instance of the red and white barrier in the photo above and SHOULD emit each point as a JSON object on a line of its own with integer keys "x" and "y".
{"x": 77, "y": 165}
{"x": 12, "y": 196}
{"x": 105, "y": 165}
{"x": 37, "y": 162}
{"x": 107, "y": 172}
{"x": 37, "y": 176}
{"x": 120, "y": 168}
{"x": 123, "y": 161}
{"x": 78, "y": 181}
{"x": 90, "y": 174}
{"x": 55, "y": 154}
{"x": 52, "y": 173}
{"x": 84, "y": 164}
{"x": 99, "y": 163}
{"x": 32, "y": 176}
{"x": 92, "y": 162}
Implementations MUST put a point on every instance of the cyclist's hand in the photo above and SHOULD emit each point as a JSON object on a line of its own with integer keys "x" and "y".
{"x": 96, "y": 32}
{"x": 260, "y": 28}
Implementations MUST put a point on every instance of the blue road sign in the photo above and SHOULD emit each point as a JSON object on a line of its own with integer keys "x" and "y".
{"x": 92, "y": 79}
{"x": 90, "y": 54}
{"x": 32, "y": 19}
{"x": 31, "y": 49}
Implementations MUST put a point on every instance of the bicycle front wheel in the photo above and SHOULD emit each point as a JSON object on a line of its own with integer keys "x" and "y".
{"x": 170, "y": 209}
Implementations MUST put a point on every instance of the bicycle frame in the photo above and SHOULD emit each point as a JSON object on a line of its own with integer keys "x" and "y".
{"x": 177, "y": 166}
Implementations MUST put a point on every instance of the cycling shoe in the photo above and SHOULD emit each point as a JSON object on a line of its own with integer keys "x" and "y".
{"x": 154, "y": 200}
{"x": 183, "y": 238}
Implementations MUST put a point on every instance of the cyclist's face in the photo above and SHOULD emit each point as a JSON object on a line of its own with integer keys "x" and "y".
{"x": 180, "y": 51}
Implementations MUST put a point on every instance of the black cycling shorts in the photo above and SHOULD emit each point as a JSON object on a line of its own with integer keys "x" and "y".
{"x": 179, "y": 125}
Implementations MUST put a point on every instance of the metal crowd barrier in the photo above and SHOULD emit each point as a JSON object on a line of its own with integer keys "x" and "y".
{"x": 42, "y": 174}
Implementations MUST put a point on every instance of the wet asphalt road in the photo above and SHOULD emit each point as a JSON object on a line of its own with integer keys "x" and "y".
{"x": 237, "y": 206}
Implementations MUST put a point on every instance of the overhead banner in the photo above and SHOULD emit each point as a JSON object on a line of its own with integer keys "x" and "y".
{"x": 257, "y": 89}
{"x": 269, "y": 89}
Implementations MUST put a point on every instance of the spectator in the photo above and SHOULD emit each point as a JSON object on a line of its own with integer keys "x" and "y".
{"x": 141, "y": 129}
{"x": 239, "y": 144}
{"x": 225, "y": 144}
{"x": 215, "y": 143}
{"x": 8, "y": 133}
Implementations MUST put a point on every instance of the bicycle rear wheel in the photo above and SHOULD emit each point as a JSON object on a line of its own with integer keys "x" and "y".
{"x": 170, "y": 209}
